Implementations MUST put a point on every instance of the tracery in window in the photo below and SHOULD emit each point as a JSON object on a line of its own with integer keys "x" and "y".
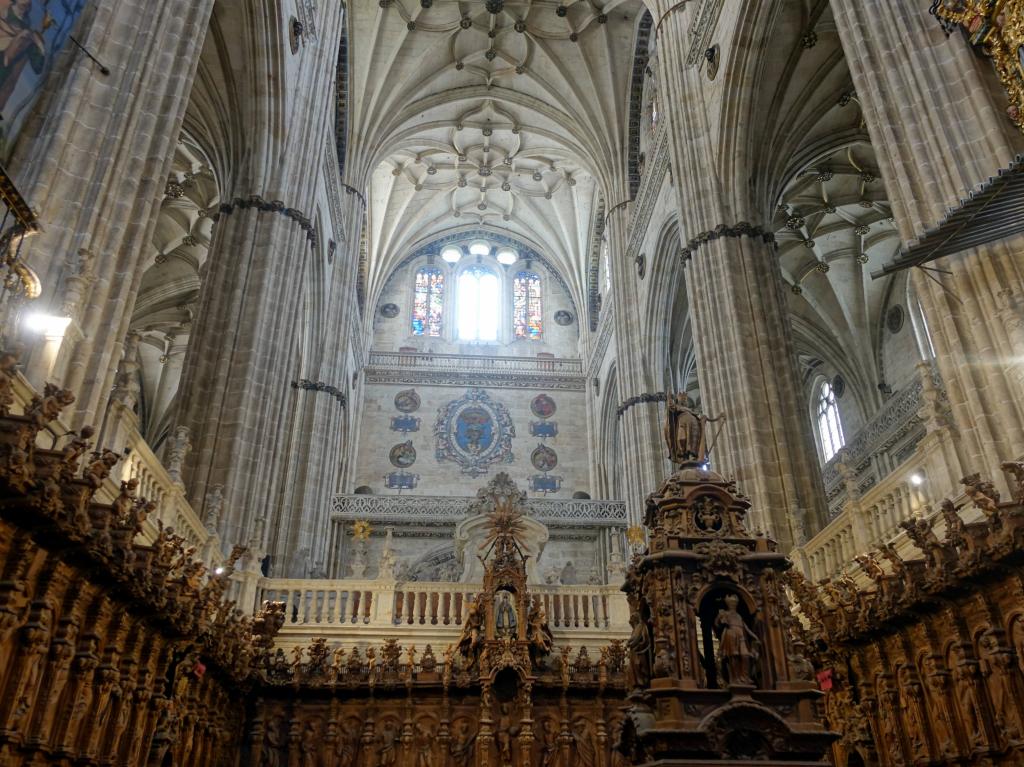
{"x": 479, "y": 300}
{"x": 830, "y": 429}
{"x": 527, "y": 315}
{"x": 428, "y": 302}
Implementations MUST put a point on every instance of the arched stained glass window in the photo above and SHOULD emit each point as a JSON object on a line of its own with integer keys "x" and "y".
{"x": 428, "y": 302}
{"x": 527, "y": 317}
{"x": 830, "y": 429}
{"x": 479, "y": 304}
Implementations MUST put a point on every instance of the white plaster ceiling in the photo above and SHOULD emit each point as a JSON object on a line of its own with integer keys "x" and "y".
{"x": 514, "y": 120}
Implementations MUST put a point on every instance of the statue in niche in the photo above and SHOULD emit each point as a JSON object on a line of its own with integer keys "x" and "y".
{"x": 387, "y": 742}
{"x": 549, "y": 743}
{"x": 965, "y": 673}
{"x": 995, "y": 667}
{"x": 505, "y": 619}
{"x": 424, "y": 746}
{"x": 737, "y": 644}
{"x": 686, "y": 430}
{"x": 568, "y": 576}
{"x": 639, "y": 645}
{"x": 504, "y": 734}
{"x": 461, "y": 747}
{"x": 585, "y": 742}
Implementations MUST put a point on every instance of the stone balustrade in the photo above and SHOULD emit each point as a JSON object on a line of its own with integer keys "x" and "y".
{"x": 468, "y": 370}
{"x": 867, "y": 520}
{"x": 351, "y": 610}
{"x": 887, "y": 441}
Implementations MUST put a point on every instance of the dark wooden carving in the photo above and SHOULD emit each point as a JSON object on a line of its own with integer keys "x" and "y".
{"x": 716, "y": 669}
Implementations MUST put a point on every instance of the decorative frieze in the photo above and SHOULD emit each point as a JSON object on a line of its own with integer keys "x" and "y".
{"x": 307, "y": 385}
{"x": 742, "y": 229}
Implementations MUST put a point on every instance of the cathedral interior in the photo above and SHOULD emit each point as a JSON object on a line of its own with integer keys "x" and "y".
{"x": 548, "y": 383}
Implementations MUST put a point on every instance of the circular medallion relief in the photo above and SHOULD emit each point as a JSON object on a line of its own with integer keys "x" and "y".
{"x": 407, "y": 401}
{"x": 894, "y": 319}
{"x": 389, "y": 310}
{"x": 543, "y": 406}
{"x": 562, "y": 317}
{"x": 402, "y": 455}
{"x": 544, "y": 458}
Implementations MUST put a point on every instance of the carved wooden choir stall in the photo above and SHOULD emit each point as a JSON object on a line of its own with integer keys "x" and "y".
{"x": 503, "y": 695}
{"x": 926, "y": 666}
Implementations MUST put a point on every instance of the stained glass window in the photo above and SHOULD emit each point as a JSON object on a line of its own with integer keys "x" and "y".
{"x": 526, "y": 307}
{"x": 830, "y": 429}
{"x": 479, "y": 302}
{"x": 428, "y": 302}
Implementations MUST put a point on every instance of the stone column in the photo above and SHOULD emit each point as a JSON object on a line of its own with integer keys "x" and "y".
{"x": 92, "y": 161}
{"x": 746, "y": 360}
{"x": 935, "y": 114}
{"x": 642, "y": 460}
{"x": 254, "y": 329}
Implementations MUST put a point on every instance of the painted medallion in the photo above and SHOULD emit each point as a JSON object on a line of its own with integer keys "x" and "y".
{"x": 475, "y": 432}
{"x": 543, "y": 406}
{"x": 407, "y": 401}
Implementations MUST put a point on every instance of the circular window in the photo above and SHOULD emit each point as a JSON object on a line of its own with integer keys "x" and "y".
{"x": 894, "y": 319}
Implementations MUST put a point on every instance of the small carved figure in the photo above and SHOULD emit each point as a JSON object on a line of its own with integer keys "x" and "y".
{"x": 424, "y": 746}
{"x": 387, "y": 742}
{"x": 871, "y": 567}
{"x": 956, "y": 530}
{"x": 965, "y": 673}
{"x": 737, "y": 644}
{"x": 985, "y": 497}
{"x": 538, "y": 633}
{"x": 548, "y": 743}
{"x": 463, "y": 740}
{"x": 888, "y": 553}
{"x": 921, "y": 533}
{"x": 585, "y": 742}
{"x": 1016, "y": 470}
{"x": 639, "y": 646}
{"x": 504, "y": 734}
{"x": 996, "y": 665}
{"x": 471, "y": 631}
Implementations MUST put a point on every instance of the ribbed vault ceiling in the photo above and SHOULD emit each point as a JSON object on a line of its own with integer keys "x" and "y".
{"x": 509, "y": 116}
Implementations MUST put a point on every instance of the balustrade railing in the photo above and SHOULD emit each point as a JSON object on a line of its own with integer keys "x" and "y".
{"x": 387, "y": 606}
{"x": 884, "y": 443}
{"x": 465, "y": 362}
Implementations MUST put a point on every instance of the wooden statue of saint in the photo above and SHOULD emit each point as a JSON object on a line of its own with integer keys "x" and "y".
{"x": 686, "y": 430}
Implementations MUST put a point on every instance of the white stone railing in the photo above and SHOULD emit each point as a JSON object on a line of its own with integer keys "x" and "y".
{"x": 432, "y": 612}
{"x": 881, "y": 445}
{"x": 867, "y": 520}
{"x": 465, "y": 369}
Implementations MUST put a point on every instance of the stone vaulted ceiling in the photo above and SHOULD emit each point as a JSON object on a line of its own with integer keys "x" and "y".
{"x": 511, "y": 116}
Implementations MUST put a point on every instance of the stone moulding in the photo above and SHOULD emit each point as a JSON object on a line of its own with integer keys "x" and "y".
{"x": 742, "y": 229}
{"x": 449, "y": 510}
{"x": 254, "y": 201}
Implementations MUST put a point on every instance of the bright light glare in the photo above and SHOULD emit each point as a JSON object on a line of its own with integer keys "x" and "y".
{"x": 451, "y": 255}
{"x": 219, "y": 571}
{"x": 47, "y": 324}
{"x": 479, "y": 248}
{"x": 916, "y": 479}
{"x": 507, "y": 256}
